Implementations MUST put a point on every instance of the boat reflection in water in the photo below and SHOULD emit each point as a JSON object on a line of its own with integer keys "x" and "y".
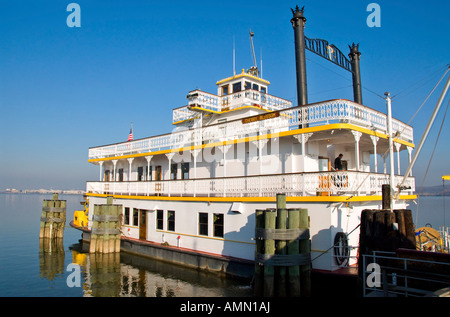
{"x": 123, "y": 275}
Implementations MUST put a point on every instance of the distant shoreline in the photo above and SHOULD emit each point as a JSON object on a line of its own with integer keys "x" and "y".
{"x": 82, "y": 192}
{"x": 45, "y": 192}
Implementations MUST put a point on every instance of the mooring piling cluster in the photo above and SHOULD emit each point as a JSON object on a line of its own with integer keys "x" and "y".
{"x": 283, "y": 251}
{"x": 53, "y": 218}
{"x": 105, "y": 235}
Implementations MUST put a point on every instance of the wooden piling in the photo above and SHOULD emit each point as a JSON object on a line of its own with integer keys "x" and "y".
{"x": 383, "y": 230}
{"x": 269, "y": 250}
{"x": 53, "y": 218}
{"x": 305, "y": 248}
{"x": 259, "y": 249}
{"x": 293, "y": 248}
{"x": 386, "y": 196}
{"x": 105, "y": 234}
{"x": 282, "y": 250}
{"x": 282, "y": 254}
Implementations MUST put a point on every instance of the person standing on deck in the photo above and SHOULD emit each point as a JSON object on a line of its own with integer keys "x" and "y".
{"x": 338, "y": 163}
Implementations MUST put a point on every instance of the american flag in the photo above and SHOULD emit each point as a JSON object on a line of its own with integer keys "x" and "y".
{"x": 130, "y": 136}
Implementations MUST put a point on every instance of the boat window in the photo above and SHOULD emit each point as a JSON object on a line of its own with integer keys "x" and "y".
{"x": 173, "y": 171}
{"x": 225, "y": 90}
{"x": 160, "y": 219}
{"x": 135, "y": 217}
{"x": 218, "y": 225}
{"x": 255, "y": 87}
{"x": 120, "y": 174}
{"x": 140, "y": 173}
{"x": 127, "y": 216}
{"x": 158, "y": 173}
{"x": 171, "y": 220}
{"x": 106, "y": 177}
{"x": 184, "y": 170}
{"x": 263, "y": 89}
{"x": 237, "y": 87}
{"x": 203, "y": 223}
{"x": 248, "y": 85}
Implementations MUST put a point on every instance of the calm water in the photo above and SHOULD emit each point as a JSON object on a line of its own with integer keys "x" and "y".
{"x": 27, "y": 269}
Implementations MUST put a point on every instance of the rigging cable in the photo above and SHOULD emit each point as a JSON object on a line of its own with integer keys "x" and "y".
{"x": 432, "y": 154}
{"x": 400, "y": 132}
{"x": 417, "y": 82}
{"x": 344, "y": 77}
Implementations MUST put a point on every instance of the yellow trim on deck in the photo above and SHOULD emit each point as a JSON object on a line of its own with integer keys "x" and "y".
{"x": 334, "y": 126}
{"x": 336, "y": 199}
{"x": 446, "y": 177}
{"x": 243, "y": 74}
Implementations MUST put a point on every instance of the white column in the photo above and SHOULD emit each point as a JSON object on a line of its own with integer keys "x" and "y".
{"x": 148, "y": 158}
{"x": 101, "y": 171}
{"x": 409, "y": 148}
{"x": 225, "y": 149}
{"x": 391, "y": 147}
{"x": 260, "y": 144}
{"x": 114, "y": 176}
{"x": 357, "y": 135}
{"x": 303, "y": 139}
{"x": 374, "y": 141}
{"x": 195, "y": 152}
{"x": 397, "y": 147}
{"x": 169, "y": 157}
{"x": 130, "y": 161}
{"x": 114, "y": 170}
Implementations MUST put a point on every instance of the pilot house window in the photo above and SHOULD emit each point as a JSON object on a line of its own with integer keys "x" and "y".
{"x": 225, "y": 90}
{"x": 237, "y": 87}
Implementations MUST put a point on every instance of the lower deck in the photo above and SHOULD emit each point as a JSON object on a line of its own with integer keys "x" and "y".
{"x": 226, "y": 229}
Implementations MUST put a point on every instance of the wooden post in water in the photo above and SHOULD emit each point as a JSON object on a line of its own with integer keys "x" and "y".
{"x": 105, "y": 234}
{"x": 282, "y": 254}
{"x": 382, "y": 230}
{"x": 269, "y": 248}
{"x": 259, "y": 249}
{"x": 305, "y": 248}
{"x": 53, "y": 218}
{"x": 293, "y": 248}
{"x": 386, "y": 196}
{"x": 281, "y": 249}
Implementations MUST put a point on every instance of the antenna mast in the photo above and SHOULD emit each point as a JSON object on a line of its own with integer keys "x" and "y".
{"x": 234, "y": 58}
{"x": 254, "y": 69}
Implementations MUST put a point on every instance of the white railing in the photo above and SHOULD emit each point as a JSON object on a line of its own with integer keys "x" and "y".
{"x": 400, "y": 274}
{"x": 333, "y": 111}
{"x": 295, "y": 184}
{"x": 203, "y": 100}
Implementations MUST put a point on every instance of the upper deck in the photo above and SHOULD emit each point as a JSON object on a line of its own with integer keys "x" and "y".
{"x": 339, "y": 111}
{"x": 262, "y": 145}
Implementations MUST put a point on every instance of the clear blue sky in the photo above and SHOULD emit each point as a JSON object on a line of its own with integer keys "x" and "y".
{"x": 63, "y": 90}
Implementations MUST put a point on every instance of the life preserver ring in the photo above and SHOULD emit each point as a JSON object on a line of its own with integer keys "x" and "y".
{"x": 341, "y": 249}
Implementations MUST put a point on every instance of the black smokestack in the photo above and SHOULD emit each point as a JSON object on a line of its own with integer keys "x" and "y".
{"x": 356, "y": 74}
{"x": 298, "y": 23}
